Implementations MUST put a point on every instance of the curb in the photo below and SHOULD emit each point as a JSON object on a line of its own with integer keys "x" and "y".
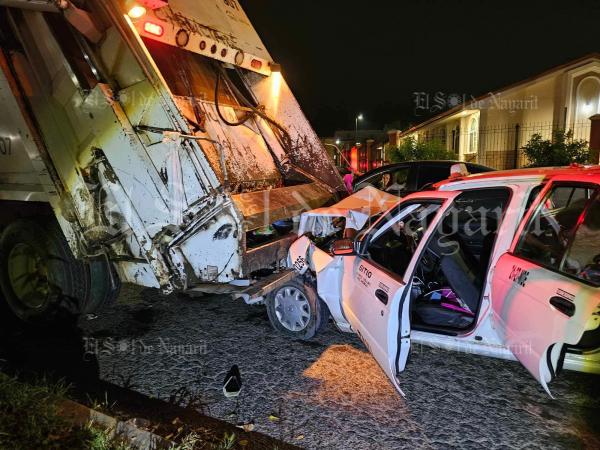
{"x": 81, "y": 415}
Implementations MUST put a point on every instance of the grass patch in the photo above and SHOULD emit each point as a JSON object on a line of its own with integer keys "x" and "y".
{"x": 29, "y": 418}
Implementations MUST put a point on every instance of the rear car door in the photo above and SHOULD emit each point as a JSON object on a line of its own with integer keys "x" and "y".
{"x": 546, "y": 290}
{"x": 374, "y": 293}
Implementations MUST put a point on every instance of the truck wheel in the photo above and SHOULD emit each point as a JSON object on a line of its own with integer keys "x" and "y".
{"x": 296, "y": 310}
{"x": 39, "y": 277}
{"x": 105, "y": 286}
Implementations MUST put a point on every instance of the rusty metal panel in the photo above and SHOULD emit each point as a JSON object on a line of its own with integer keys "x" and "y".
{"x": 307, "y": 151}
{"x": 249, "y": 162}
{"x": 267, "y": 255}
{"x": 262, "y": 208}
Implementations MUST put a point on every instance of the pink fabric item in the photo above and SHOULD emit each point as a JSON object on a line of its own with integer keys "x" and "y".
{"x": 457, "y": 308}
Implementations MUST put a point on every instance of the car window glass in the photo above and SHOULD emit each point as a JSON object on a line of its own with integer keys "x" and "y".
{"x": 395, "y": 241}
{"x": 583, "y": 257}
{"x": 394, "y": 182}
{"x": 547, "y": 235}
{"x": 432, "y": 174}
{"x": 478, "y": 169}
{"x": 532, "y": 196}
{"x": 566, "y": 196}
{"x": 374, "y": 181}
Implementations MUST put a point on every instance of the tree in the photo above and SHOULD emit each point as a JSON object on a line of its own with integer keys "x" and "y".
{"x": 562, "y": 150}
{"x": 411, "y": 150}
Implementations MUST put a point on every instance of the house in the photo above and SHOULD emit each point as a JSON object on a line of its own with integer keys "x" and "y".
{"x": 492, "y": 129}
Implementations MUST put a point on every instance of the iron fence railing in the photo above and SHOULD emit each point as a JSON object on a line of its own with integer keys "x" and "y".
{"x": 500, "y": 146}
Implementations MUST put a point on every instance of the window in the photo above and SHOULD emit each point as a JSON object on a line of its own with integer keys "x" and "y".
{"x": 432, "y": 174}
{"x": 473, "y": 135}
{"x": 532, "y": 196}
{"x": 448, "y": 282}
{"x": 456, "y": 139}
{"x": 393, "y": 243}
{"x": 442, "y": 136}
{"x": 550, "y": 230}
{"x": 375, "y": 181}
{"x": 393, "y": 182}
{"x": 583, "y": 257}
{"x": 588, "y": 99}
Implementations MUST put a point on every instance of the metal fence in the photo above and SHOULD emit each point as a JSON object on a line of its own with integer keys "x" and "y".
{"x": 500, "y": 146}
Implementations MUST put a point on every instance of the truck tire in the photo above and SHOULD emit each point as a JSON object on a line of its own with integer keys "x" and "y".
{"x": 105, "y": 286}
{"x": 39, "y": 277}
{"x": 296, "y": 310}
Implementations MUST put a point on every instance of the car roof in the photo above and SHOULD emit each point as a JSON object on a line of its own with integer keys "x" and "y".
{"x": 542, "y": 173}
{"x": 428, "y": 162}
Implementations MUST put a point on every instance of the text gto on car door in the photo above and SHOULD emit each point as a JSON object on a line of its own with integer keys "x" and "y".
{"x": 546, "y": 291}
{"x": 374, "y": 294}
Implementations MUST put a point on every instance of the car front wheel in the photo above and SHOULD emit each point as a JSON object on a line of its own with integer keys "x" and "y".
{"x": 296, "y": 310}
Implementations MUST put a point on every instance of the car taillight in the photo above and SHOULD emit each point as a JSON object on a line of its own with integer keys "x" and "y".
{"x": 256, "y": 64}
{"x": 153, "y": 29}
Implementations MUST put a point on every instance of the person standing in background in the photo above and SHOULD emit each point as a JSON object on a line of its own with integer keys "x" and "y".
{"x": 348, "y": 179}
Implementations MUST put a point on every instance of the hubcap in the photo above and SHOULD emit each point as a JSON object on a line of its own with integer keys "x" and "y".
{"x": 28, "y": 275}
{"x": 292, "y": 308}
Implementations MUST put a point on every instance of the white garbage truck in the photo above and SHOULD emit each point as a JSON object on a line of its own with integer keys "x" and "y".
{"x": 153, "y": 142}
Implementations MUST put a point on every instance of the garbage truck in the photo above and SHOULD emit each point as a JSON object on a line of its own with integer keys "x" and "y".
{"x": 151, "y": 142}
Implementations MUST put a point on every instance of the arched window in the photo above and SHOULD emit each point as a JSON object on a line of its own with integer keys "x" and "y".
{"x": 588, "y": 99}
{"x": 473, "y": 135}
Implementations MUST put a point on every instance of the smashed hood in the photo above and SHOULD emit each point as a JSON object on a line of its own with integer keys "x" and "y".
{"x": 356, "y": 209}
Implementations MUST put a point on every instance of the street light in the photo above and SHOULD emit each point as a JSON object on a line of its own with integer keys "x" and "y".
{"x": 359, "y": 117}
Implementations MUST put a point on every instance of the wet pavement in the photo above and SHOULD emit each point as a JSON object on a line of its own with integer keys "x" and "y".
{"x": 329, "y": 393}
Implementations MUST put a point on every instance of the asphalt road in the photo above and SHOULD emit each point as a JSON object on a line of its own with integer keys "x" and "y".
{"x": 329, "y": 393}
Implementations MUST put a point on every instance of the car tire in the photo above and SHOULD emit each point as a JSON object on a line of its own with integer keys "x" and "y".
{"x": 105, "y": 286}
{"x": 296, "y": 310}
{"x": 40, "y": 279}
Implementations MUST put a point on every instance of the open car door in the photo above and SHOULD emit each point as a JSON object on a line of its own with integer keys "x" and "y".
{"x": 374, "y": 294}
{"x": 546, "y": 290}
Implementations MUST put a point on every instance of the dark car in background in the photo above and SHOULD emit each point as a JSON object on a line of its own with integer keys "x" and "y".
{"x": 405, "y": 178}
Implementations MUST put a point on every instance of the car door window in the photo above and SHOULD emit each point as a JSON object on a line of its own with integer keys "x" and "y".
{"x": 395, "y": 182}
{"x": 432, "y": 174}
{"x": 549, "y": 231}
{"x": 374, "y": 181}
{"x": 583, "y": 256}
{"x": 533, "y": 195}
{"x": 449, "y": 279}
{"x": 394, "y": 241}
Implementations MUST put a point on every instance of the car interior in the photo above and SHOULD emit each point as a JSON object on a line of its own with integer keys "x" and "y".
{"x": 394, "y": 244}
{"x": 448, "y": 282}
{"x": 393, "y": 182}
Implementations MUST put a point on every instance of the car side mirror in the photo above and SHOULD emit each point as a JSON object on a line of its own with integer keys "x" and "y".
{"x": 343, "y": 247}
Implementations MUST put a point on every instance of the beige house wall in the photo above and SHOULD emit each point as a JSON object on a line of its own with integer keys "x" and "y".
{"x": 507, "y": 119}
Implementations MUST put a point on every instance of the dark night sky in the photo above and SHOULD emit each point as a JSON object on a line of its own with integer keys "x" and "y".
{"x": 342, "y": 57}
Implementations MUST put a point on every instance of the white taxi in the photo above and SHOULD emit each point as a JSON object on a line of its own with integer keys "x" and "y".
{"x": 504, "y": 264}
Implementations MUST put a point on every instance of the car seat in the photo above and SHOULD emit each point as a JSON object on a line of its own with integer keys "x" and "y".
{"x": 464, "y": 275}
